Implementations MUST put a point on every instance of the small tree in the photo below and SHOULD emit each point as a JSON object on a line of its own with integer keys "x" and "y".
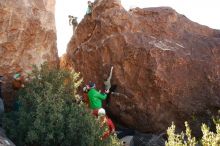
{"x": 209, "y": 138}
{"x": 48, "y": 114}
{"x": 183, "y": 139}
{"x": 173, "y": 138}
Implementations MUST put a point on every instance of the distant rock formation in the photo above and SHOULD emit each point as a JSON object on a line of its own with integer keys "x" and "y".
{"x": 27, "y": 36}
{"x": 167, "y": 65}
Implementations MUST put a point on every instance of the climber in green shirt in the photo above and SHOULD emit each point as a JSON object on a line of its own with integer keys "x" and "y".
{"x": 95, "y": 97}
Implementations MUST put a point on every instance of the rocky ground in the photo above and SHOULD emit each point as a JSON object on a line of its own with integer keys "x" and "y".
{"x": 4, "y": 141}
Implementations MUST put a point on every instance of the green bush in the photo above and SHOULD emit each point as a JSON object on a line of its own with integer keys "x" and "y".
{"x": 48, "y": 114}
{"x": 182, "y": 139}
{"x": 209, "y": 138}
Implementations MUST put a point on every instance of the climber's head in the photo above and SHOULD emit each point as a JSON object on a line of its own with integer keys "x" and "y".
{"x": 91, "y": 85}
{"x": 89, "y": 2}
{"x": 17, "y": 76}
{"x": 18, "y": 69}
{"x": 101, "y": 112}
{"x": 105, "y": 76}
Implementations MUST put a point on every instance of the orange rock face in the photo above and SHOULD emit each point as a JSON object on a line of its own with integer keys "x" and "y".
{"x": 166, "y": 65}
{"x": 27, "y": 36}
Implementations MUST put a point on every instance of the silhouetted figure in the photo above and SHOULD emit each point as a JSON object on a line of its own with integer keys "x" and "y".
{"x": 73, "y": 22}
{"x": 89, "y": 9}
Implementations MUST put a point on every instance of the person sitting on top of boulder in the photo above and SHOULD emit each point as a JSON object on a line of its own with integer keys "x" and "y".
{"x": 106, "y": 123}
{"x": 89, "y": 9}
{"x": 18, "y": 80}
{"x": 95, "y": 97}
{"x": 73, "y": 22}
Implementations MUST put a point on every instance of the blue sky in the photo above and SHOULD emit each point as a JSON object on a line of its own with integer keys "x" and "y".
{"x": 205, "y": 12}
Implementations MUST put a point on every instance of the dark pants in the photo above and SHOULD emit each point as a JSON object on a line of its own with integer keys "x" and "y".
{"x": 1, "y": 91}
{"x": 122, "y": 132}
{"x": 2, "y": 107}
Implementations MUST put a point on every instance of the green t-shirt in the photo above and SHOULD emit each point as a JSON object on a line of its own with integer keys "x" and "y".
{"x": 95, "y": 98}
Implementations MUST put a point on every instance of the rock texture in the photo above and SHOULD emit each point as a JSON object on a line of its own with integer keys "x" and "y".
{"x": 166, "y": 65}
{"x": 27, "y": 36}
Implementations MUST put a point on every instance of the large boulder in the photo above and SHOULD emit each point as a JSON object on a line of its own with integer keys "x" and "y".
{"x": 27, "y": 36}
{"x": 166, "y": 66}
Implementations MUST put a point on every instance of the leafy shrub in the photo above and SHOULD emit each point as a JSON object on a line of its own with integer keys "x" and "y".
{"x": 48, "y": 114}
{"x": 182, "y": 139}
{"x": 209, "y": 138}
